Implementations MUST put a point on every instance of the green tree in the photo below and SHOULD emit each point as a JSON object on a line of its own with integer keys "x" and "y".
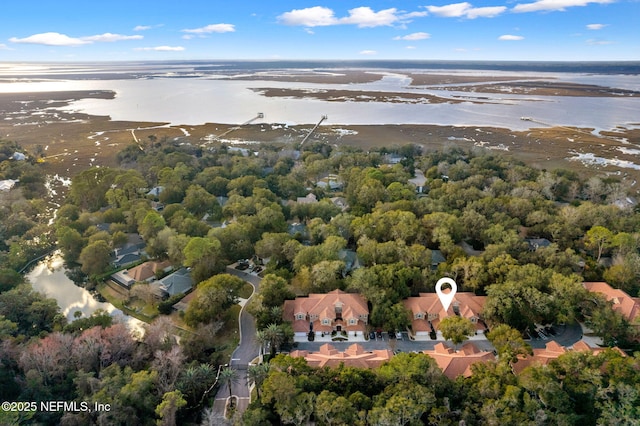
{"x": 213, "y": 297}
{"x": 151, "y": 225}
{"x": 95, "y": 258}
{"x": 457, "y": 329}
{"x": 227, "y": 378}
{"x": 331, "y": 409}
{"x": 257, "y": 374}
{"x": 167, "y": 409}
{"x": 599, "y": 239}
{"x": 508, "y": 342}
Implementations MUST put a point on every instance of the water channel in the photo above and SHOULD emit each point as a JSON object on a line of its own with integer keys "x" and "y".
{"x": 48, "y": 277}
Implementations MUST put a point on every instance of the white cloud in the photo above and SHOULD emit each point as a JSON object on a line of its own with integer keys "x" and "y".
{"x": 485, "y": 12}
{"x": 414, "y": 36}
{"x": 142, "y": 28}
{"x": 466, "y": 10}
{"x": 363, "y": 17}
{"x": 57, "y": 39}
{"x": 509, "y": 37}
{"x": 368, "y": 52}
{"x": 317, "y": 16}
{"x": 551, "y": 5}
{"x": 451, "y": 10}
{"x": 108, "y": 37}
{"x": 595, "y": 26}
{"x": 309, "y": 31}
{"x": 410, "y": 47}
{"x": 50, "y": 39}
{"x": 161, "y": 48}
{"x": 213, "y": 28}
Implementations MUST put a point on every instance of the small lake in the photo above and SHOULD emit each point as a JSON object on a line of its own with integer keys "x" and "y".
{"x": 48, "y": 277}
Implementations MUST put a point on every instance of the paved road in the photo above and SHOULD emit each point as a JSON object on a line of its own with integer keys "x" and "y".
{"x": 566, "y": 335}
{"x": 246, "y": 351}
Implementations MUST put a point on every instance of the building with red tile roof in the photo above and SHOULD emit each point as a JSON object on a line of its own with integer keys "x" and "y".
{"x": 427, "y": 310}
{"x": 145, "y": 272}
{"x": 622, "y": 302}
{"x": 325, "y": 313}
{"x": 454, "y": 364}
{"x": 353, "y": 356}
{"x": 552, "y": 351}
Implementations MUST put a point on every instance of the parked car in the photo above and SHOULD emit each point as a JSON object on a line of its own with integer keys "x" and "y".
{"x": 392, "y": 335}
{"x": 398, "y": 335}
{"x": 372, "y": 335}
{"x": 379, "y": 334}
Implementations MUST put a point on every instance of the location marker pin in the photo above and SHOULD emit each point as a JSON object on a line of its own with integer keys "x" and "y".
{"x": 446, "y": 298}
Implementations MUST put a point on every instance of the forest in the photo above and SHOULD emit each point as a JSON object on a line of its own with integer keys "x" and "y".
{"x": 219, "y": 205}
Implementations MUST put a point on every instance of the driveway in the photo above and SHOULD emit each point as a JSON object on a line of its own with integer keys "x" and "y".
{"x": 246, "y": 351}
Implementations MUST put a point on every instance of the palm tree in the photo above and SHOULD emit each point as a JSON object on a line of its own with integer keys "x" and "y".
{"x": 261, "y": 338}
{"x": 228, "y": 377}
{"x": 275, "y": 337}
{"x": 257, "y": 374}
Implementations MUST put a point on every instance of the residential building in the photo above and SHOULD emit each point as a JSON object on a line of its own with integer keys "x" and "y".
{"x": 622, "y": 302}
{"x": 145, "y": 272}
{"x": 427, "y": 311}
{"x": 325, "y": 313}
{"x": 552, "y": 351}
{"x": 180, "y": 282}
{"x": 458, "y": 363}
{"x": 353, "y": 356}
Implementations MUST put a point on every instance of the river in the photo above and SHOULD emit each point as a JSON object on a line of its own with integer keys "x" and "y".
{"x": 48, "y": 277}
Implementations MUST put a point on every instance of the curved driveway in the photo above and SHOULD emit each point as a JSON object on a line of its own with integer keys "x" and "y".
{"x": 246, "y": 351}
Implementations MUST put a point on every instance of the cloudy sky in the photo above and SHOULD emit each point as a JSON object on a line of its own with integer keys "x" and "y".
{"x": 71, "y": 30}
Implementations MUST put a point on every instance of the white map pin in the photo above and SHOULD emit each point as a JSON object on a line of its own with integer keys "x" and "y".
{"x": 446, "y": 298}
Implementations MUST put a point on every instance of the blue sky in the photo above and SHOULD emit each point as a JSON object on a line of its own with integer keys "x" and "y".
{"x": 71, "y": 30}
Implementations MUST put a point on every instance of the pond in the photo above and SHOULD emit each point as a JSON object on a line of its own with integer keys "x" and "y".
{"x": 48, "y": 277}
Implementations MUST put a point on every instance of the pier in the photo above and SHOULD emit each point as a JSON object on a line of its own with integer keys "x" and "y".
{"x": 324, "y": 117}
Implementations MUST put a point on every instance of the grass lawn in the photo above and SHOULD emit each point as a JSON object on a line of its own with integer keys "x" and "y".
{"x": 117, "y": 299}
{"x": 245, "y": 291}
{"x": 228, "y": 337}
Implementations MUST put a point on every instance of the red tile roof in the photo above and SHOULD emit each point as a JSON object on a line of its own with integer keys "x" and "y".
{"x": 552, "y": 351}
{"x": 454, "y": 364}
{"x": 469, "y": 306}
{"x": 353, "y": 356}
{"x": 317, "y": 307}
{"x": 622, "y": 302}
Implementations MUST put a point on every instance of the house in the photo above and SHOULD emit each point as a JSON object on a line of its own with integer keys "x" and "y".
{"x": 350, "y": 259}
{"x": 353, "y": 356}
{"x": 436, "y": 259}
{"x": 324, "y": 313}
{"x": 131, "y": 252}
{"x": 180, "y": 282}
{"x": 552, "y": 351}
{"x": 454, "y": 364}
{"x": 340, "y": 202}
{"x": 156, "y": 191}
{"x": 628, "y": 306}
{"x": 145, "y": 272}
{"x": 331, "y": 182}
{"x": 536, "y": 243}
{"x": 7, "y": 184}
{"x": 427, "y": 311}
{"x": 310, "y": 198}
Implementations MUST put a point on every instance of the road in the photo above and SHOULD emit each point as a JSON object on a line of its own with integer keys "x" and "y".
{"x": 246, "y": 351}
{"x": 566, "y": 335}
